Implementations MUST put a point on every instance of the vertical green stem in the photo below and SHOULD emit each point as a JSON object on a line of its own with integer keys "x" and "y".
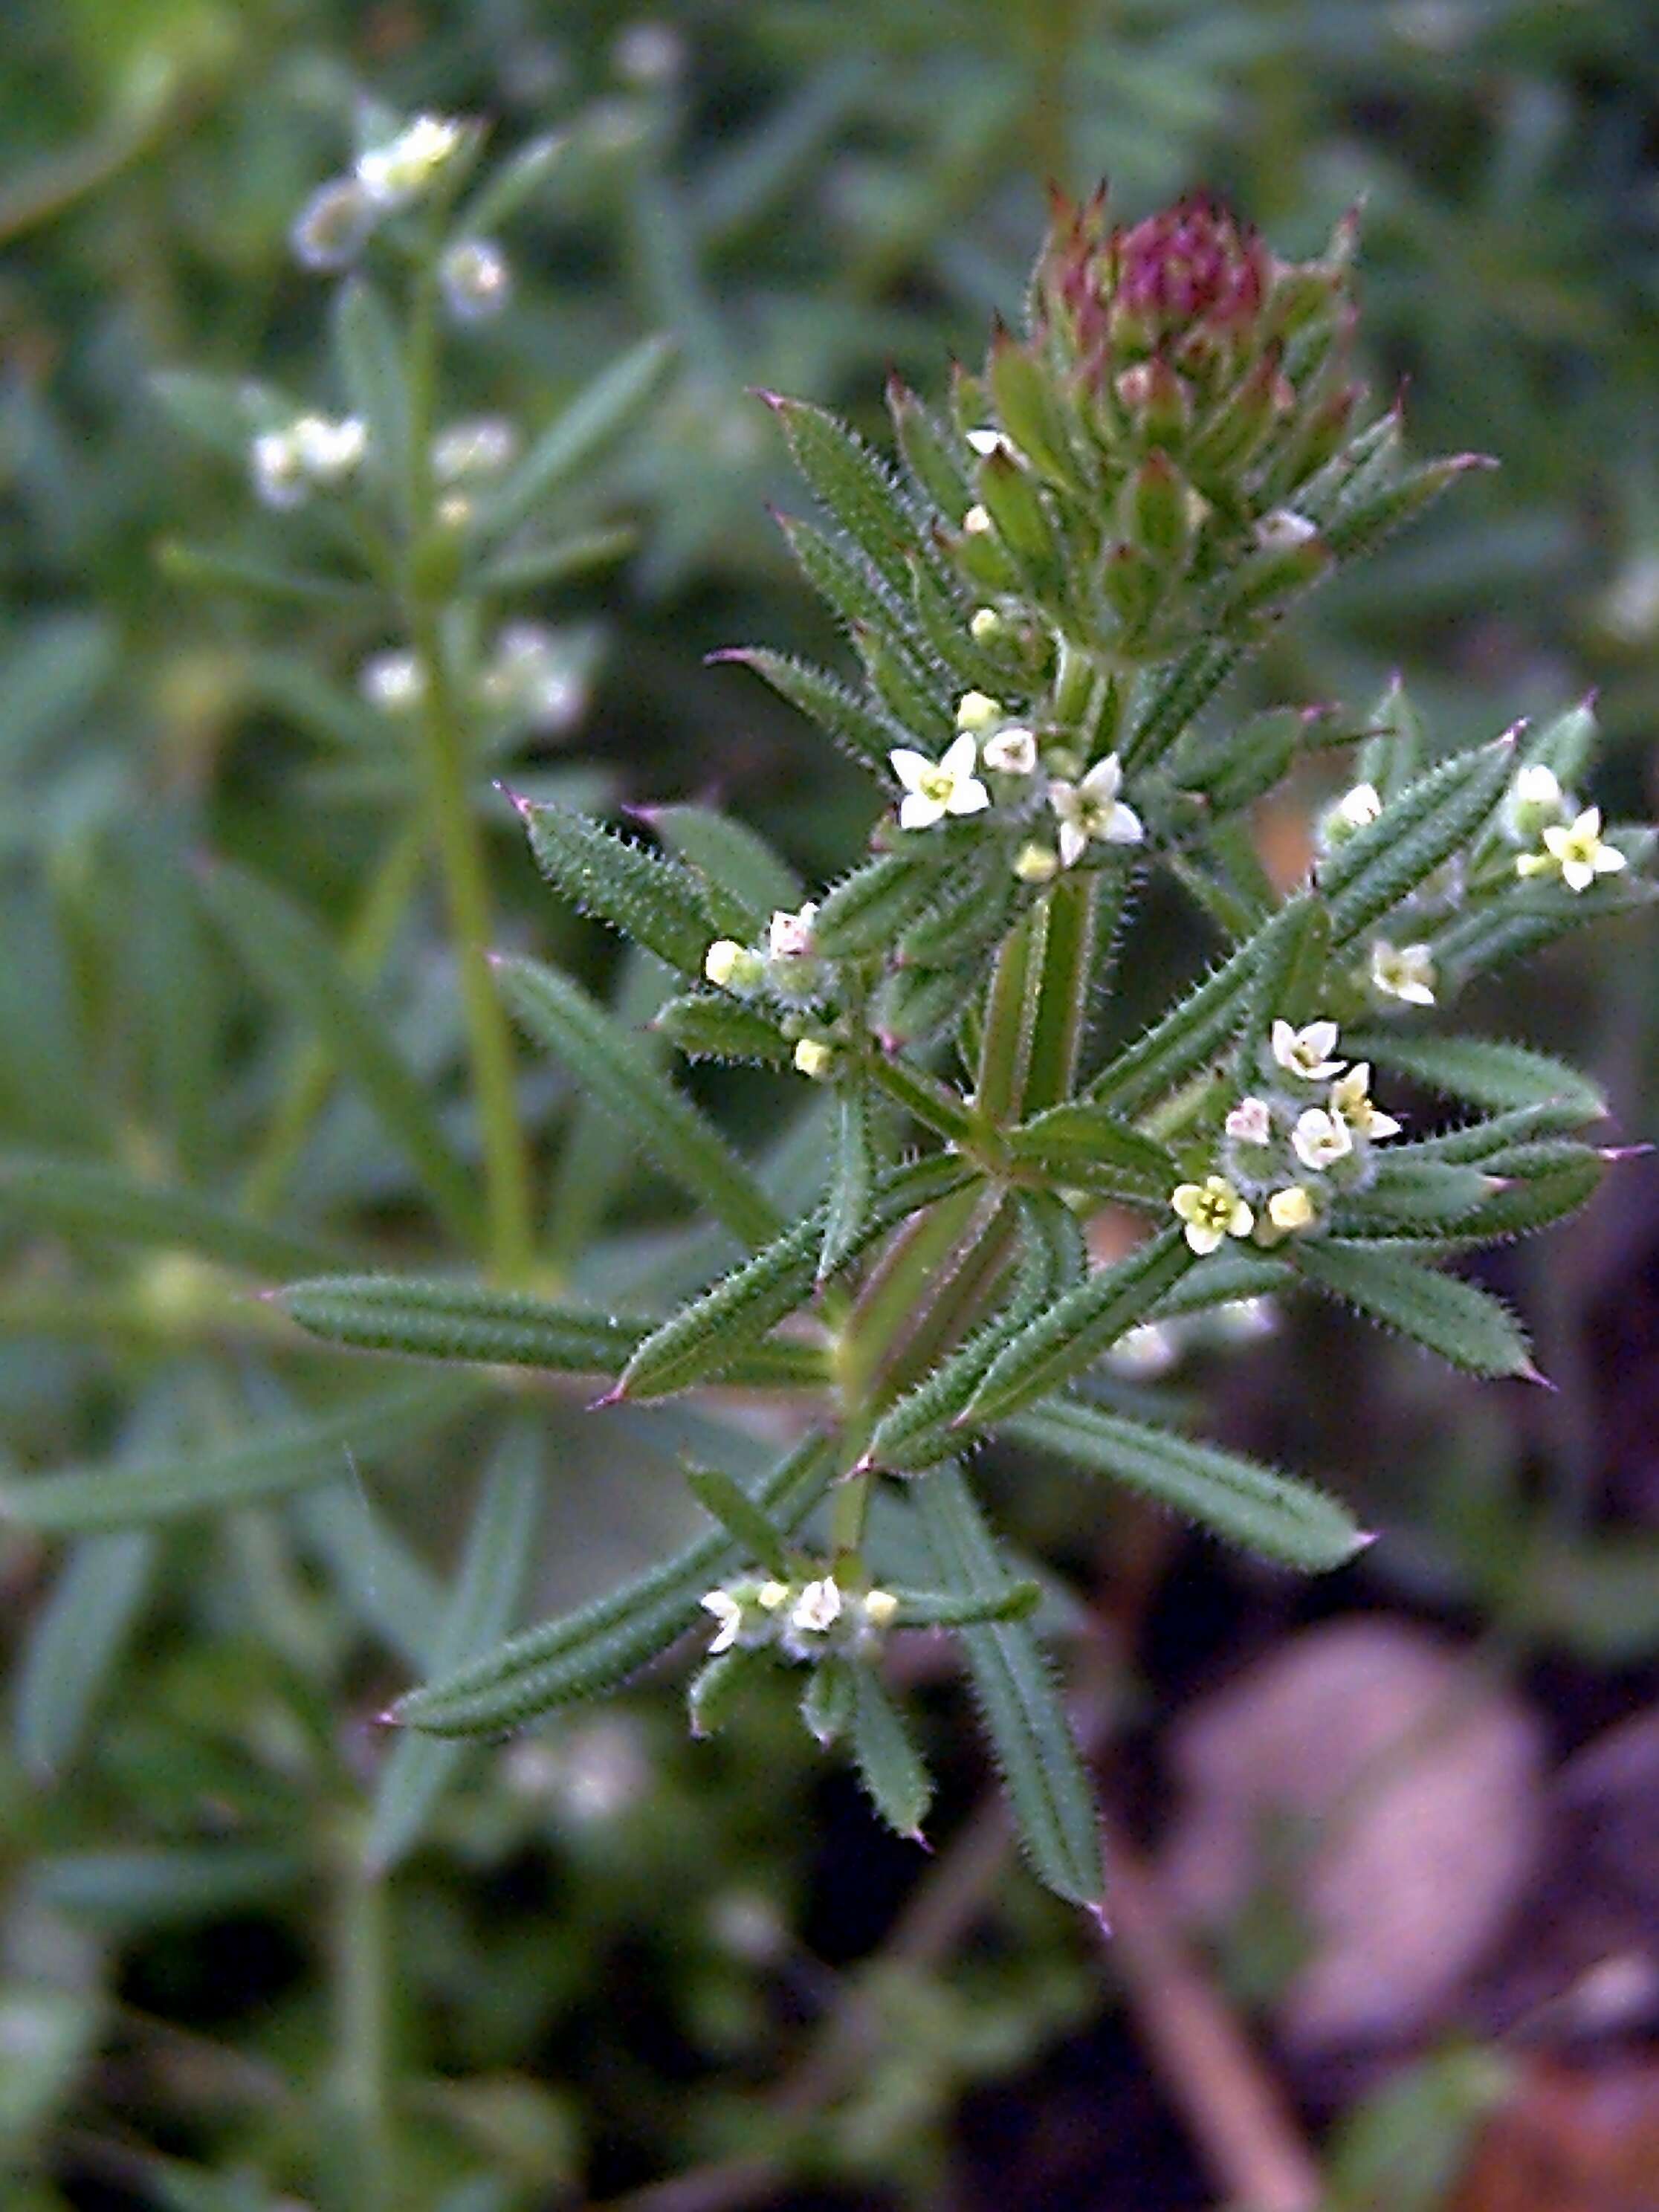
{"x": 362, "y": 2074}
{"x": 429, "y": 579}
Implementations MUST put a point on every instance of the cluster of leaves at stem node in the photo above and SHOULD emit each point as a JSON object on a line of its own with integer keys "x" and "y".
{"x": 1045, "y": 597}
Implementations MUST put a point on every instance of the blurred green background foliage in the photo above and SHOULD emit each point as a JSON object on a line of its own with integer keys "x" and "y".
{"x": 613, "y": 1945}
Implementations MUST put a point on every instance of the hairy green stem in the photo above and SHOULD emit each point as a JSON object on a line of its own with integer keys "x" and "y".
{"x": 362, "y": 2058}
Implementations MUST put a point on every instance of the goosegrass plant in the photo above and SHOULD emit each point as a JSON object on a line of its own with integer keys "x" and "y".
{"x": 974, "y": 1204}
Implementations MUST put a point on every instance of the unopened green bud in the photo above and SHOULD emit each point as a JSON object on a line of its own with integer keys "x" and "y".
{"x": 1036, "y": 864}
{"x": 986, "y": 626}
{"x": 1156, "y": 510}
{"x": 815, "y": 1059}
{"x": 1132, "y": 586}
{"x": 978, "y": 712}
{"x": 1009, "y": 490}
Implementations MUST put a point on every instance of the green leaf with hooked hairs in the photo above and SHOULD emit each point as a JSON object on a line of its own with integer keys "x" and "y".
{"x": 868, "y": 909}
{"x": 1194, "y": 1032}
{"x": 851, "y": 1179}
{"x": 657, "y": 903}
{"x": 1075, "y": 1331}
{"x": 1485, "y": 1071}
{"x": 851, "y": 485}
{"x": 1411, "y": 1198}
{"x": 609, "y": 1063}
{"x": 889, "y": 1764}
{"x": 1369, "y": 874}
{"x": 707, "y": 1025}
{"x": 583, "y": 1653}
{"x": 856, "y": 727}
{"x": 478, "y": 1613}
{"x": 1465, "y": 1325}
{"x": 1236, "y": 1498}
{"x": 506, "y": 1328}
{"x": 1088, "y": 1144}
{"x": 1036, "y": 1753}
{"x": 704, "y": 1340}
{"x": 732, "y": 858}
{"x": 727, "y": 1501}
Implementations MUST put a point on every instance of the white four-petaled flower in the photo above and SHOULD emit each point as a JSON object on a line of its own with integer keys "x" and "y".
{"x": 1403, "y": 971}
{"x": 1091, "y": 813}
{"x": 1578, "y": 849}
{"x": 1351, "y": 1103}
{"x": 789, "y": 936}
{"x": 1306, "y": 1052}
{"x": 1251, "y": 1122}
{"x": 933, "y": 789}
{"x": 1320, "y": 1138}
{"x": 818, "y": 1607}
{"x": 1210, "y": 1211}
{"x": 1012, "y": 752}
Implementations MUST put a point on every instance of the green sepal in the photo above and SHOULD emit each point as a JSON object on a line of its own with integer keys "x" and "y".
{"x": 1030, "y": 411}
{"x": 823, "y": 698}
{"x": 1466, "y": 1325}
{"x": 657, "y": 903}
{"x": 506, "y": 1328}
{"x": 1235, "y": 1498}
{"x": 610, "y": 1063}
{"x": 748, "y": 1526}
{"x": 1484, "y": 1071}
{"x": 826, "y": 1702}
{"x": 706, "y": 1025}
{"x": 1036, "y": 1753}
{"x": 888, "y": 1765}
{"x": 1074, "y": 1332}
{"x": 851, "y": 485}
{"x": 1370, "y": 873}
{"x": 583, "y": 1653}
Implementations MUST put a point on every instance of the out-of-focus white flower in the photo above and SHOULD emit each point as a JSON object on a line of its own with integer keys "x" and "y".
{"x": 1091, "y": 812}
{"x": 1251, "y": 1122}
{"x": 880, "y": 1608}
{"x": 1575, "y": 850}
{"x": 1355, "y": 809}
{"x": 1210, "y": 1211}
{"x": 1534, "y": 798}
{"x": 279, "y": 475}
{"x": 333, "y": 228}
{"x": 1320, "y": 1140}
{"x": 1351, "y": 1102}
{"x": 477, "y": 278}
{"x": 648, "y": 53}
{"x": 985, "y": 625}
{"x": 1403, "y": 971}
{"x": 1306, "y": 1052}
{"x": 1012, "y": 752}
{"x": 481, "y": 447}
{"x": 933, "y": 789}
{"x": 393, "y": 681}
{"x": 401, "y": 169}
{"x": 329, "y": 448}
{"x": 536, "y": 674}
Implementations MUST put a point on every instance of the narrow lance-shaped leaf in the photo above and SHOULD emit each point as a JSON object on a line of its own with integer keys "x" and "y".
{"x": 283, "y": 1456}
{"x": 1256, "y": 1506}
{"x": 437, "y": 1320}
{"x": 851, "y": 485}
{"x": 77, "y": 1198}
{"x": 1462, "y": 1323}
{"x": 1408, "y": 1198}
{"x": 75, "y": 1640}
{"x": 1035, "y": 1751}
{"x": 702, "y": 1342}
{"x": 285, "y": 948}
{"x": 709, "y": 1025}
{"x": 866, "y": 910}
{"x": 739, "y": 864}
{"x": 1486, "y": 1070}
{"x": 610, "y": 1064}
{"x": 851, "y": 1179}
{"x": 1369, "y": 874}
{"x": 1192, "y": 1034}
{"x": 726, "y": 1501}
{"x": 576, "y": 439}
{"x": 1074, "y": 1332}
{"x": 855, "y": 726}
{"x": 478, "y": 1614}
{"x": 889, "y": 1764}
{"x": 1087, "y": 1142}
{"x": 657, "y": 903}
{"x": 589, "y": 1650}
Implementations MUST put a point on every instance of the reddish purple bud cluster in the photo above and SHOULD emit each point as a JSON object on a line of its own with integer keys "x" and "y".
{"x": 1193, "y": 265}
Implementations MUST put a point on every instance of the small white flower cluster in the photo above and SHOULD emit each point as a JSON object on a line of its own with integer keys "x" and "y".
{"x": 339, "y": 218}
{"x": 336, "y": 223}
{"x": 1567, "y": 841}
{"x": 538, "y": 677}
{"x": 314, "y": 452}
{"x": 803, "y": 1620}
{"x": 1089, "y": 809}
{"x": 787, "y": 968}
{"x": 1330, "y": 1139}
